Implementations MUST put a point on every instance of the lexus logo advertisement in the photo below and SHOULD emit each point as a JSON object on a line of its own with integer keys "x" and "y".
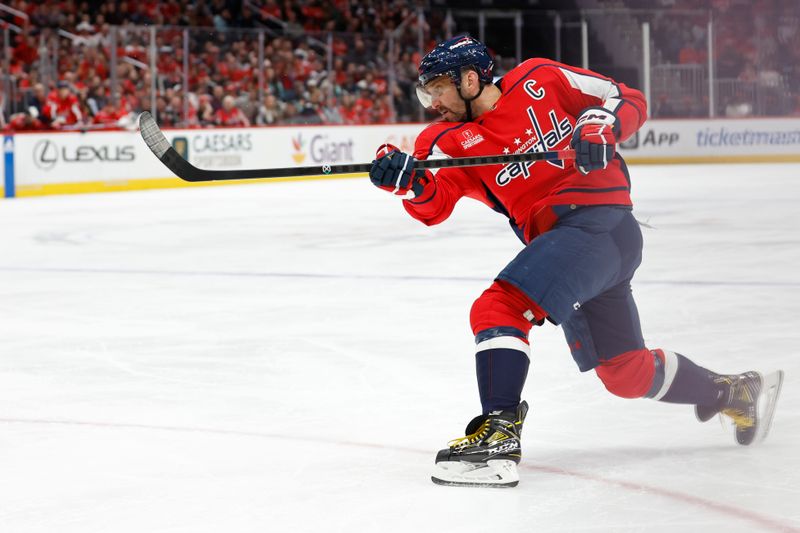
{"x": 46, "y": 154}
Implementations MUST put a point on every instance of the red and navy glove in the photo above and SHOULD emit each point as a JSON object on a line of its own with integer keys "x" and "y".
{"x": 393, "y": 171}
{"x": 594, "y": 139}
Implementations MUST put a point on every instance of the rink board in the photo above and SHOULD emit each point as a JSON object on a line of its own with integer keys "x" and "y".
{"x": 61, "y": 163}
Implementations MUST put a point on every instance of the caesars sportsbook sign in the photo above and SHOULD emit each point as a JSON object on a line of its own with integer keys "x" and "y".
{"x": 223, "y": 149}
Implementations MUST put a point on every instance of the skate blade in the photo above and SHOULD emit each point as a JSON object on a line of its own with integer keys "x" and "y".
{"x": 770, "y": 390}
{"x": 495, "y": 473}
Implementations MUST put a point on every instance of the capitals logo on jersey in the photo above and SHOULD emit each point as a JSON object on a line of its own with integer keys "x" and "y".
{"x": 538, "y": 140}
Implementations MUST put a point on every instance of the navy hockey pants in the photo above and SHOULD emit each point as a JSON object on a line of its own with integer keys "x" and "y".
{"x": 580, "y": 273}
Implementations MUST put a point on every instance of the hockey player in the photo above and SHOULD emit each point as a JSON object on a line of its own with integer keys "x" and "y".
{"x": 582, "y": 246}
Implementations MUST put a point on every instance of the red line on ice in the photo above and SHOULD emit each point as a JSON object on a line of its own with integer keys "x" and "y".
{"x": 710, "y": 505}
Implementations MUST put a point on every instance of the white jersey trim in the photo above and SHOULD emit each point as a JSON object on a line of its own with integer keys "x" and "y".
{"x": 605, "y": 90}
{"x": 509, "y": 343}
{"x": 670, "y": 369}
{"x": 436, "y": 153}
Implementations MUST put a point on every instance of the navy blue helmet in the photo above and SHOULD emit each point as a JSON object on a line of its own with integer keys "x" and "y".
{"x": 450, "y": 56}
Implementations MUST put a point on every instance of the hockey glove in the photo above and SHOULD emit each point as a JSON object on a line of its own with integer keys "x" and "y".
{"x": 594, "y": 139}
{"x": 393, "y": 171}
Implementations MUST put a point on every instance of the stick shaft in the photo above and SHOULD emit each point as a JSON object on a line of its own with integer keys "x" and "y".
{"x": 159, "y": 145}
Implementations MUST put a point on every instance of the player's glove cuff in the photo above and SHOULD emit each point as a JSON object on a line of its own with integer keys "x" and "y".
{"x": 600, "y": 116}
{"x": 594, "y": 139}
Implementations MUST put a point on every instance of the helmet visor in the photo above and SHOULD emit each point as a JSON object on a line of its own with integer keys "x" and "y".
{"x": 428, "y": 92}
{"x": 424, "y": 97}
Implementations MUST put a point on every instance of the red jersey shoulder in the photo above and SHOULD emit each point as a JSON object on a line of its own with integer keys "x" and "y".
{"x": 522, "y": 70}
{"x": 439, "y": 134}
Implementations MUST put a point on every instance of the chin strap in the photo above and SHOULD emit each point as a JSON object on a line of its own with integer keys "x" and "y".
{"x": 468, "y": 101}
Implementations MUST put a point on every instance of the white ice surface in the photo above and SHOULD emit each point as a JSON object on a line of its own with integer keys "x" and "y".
{"x": 289, "y": 357}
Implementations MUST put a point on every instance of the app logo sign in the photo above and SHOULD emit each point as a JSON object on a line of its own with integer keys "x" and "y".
{"x": 631, "y": 143}
{"x": 650, "y": 138}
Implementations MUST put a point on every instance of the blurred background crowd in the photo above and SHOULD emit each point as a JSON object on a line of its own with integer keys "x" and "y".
{"x": 71, "y": 64}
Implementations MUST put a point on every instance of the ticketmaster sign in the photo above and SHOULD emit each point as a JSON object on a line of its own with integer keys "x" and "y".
{"x": 715, "y": 140}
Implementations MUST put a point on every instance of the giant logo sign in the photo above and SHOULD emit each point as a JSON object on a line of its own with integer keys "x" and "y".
{"x": 322, "y": 149}
{"x": 46, "y": 154}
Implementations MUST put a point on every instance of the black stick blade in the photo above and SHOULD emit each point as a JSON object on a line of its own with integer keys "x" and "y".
{"x": 159, "y": 145}
{"x": 152, "y": 135}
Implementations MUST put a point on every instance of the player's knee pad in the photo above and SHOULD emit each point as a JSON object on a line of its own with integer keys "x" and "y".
{"x": 631, "y": 374}
{"x": 504, "y": 308}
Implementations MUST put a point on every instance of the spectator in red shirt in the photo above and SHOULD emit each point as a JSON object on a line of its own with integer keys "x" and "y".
{"x": 109, "y": 115}
{"x": 349, "y": 112}
{"x": 62, "y": 107}
{"x": 26, "y": 52}
{"x": 229, "y": 114}
{"x": 28, "y": 121}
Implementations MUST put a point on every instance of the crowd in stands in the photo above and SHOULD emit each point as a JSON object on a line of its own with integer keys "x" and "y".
{"x": 61, "y": 62}
{"x": 86, "y": 64}
{"x": 756, "y": 50}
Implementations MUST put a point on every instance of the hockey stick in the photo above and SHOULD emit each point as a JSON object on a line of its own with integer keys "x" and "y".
{"x": 160, "y": 146}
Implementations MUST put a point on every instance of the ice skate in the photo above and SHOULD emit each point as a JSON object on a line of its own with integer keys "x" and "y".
{"x": 749, "y": 404}
{"x": 487, "y": 456}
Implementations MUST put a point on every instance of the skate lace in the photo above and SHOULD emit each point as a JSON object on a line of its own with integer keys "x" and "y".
{"x": 740, "y": 418}
{"x": 471, "y": 439}
{"x": 743, "y": 395}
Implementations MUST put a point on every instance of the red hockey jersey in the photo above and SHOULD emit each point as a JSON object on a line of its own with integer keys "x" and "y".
{"x": 536, "y": 112}
{"x": 67, "y": 109}
{"x": 234, "y": 117}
